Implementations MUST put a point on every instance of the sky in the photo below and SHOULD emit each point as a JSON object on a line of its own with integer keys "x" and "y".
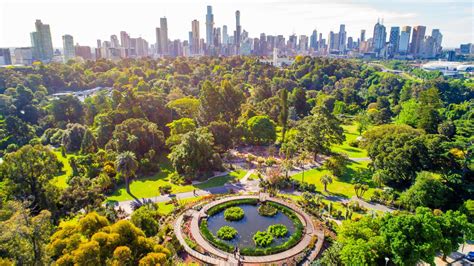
{"x": 89, "y": 20}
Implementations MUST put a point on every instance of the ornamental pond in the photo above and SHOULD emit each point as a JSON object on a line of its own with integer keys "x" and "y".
{"x": 249, "y": 225}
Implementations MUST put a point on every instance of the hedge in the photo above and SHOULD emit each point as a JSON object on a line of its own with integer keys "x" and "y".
{"x": 212, "y": 239}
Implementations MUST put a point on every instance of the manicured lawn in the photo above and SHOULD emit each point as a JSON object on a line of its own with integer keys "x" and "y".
{"x": 341, "y": 186}
{"x": 165, "y": 208}
{"x": 147, "y": 187}
{"x": 61, "y": 180}
{"x": 350, "y": 131}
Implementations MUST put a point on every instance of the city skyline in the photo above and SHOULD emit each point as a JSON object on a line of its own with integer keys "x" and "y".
{"x": 255, "y": 20}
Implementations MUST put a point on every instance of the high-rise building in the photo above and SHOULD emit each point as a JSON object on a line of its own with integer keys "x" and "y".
{"x": 68, "y": 47}
{"x": 41, "y": 42}
{"x": 350, "y": 43}
{"x": 126, "y": 44}
{"x": 225, "y": 35}
{"x": 379, "y": 37}
{"x": 195, "y": 45}
{"x": 417, "y": 39}
{"x": 394, "y": 39}
{"x": 428, "y": 48}
{"x": 209, "y": 26}
{"x": 83, "y": 51}
{"x": 5, "y": 57}
{"x": 163, "y": 36}
{"x": 362, "y": 35}
{"x": 313, "y": 42}
{"x": 158, "y": 40}
{"x": 238, "y": 30}
{"x": 114, "y": 41}
{"x": 303, "y": 43}
{"x": 342, "y": 38}
{"x": 438, "y": 39}
{"x": 404, "y": 42}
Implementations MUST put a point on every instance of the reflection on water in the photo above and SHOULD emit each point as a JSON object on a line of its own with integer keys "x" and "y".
{"x": 249, "y": 225}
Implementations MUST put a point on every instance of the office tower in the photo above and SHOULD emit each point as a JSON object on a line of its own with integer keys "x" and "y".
{"x": 342, "y": 38}
{"x": 161, "y": 33}
{"x": 225, "y": 35}
{"x": 209, "y": 26}
{"x": 292, "y": 42}
{"x": 83, "y": 51}
{"x": 41, "y": 42}
{"x": 125, "y": 43}
{"x": 466, "y": 48}
{"x": 141, "y": 47}
{"x": 394, "y": 39}
{"x": 216, "y": 40}
{"x": 362, "y": 35}
{"x": 313, "y": 42}
{"x": 5, "y": 57}
{"x": 438, "y": 39}
{"x": 350, "y": 43}
{"x": 428, "y": 47}
{"x": 23, "y": 56}
{"x": 333, "y": 41}
{"x": 68, "y": 47}
{"x": 404, "y": 42}
{"x": 303, "y": 43}
{"x": 195, "y": 48}
{"x": 379, "y": 37}
{"x": 417, "y": 39}
{"x": 114, "y": 41}
{"x": 238, "y": 30}
{"x": 262, "y": 44}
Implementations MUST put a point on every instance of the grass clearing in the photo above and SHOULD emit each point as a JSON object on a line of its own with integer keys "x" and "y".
{"x": 341, "y": 186}
{"x": 61, "y": 180}
{"x": 350, "y": 131}
{"x": 147, "y": 187}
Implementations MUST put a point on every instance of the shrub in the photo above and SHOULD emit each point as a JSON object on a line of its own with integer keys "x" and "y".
{"x": 277, "y": 230}
{"x": 228, "y": 204}
{"x": 354, "y": 143}
{"x": 226, "y": 232}
{"x": 267, "y": 210}
{"x": 234, "y": 214}
{"x": 166, "y": 189}
{"x": 212, "y": 239}
{"x": 262, "y": 239}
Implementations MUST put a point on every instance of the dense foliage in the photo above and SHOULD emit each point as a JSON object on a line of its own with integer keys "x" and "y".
{"x": 234, "y": 214}
{"x": 226, "y": 232}
{"x": 263, "y": 238}
{"x": 278, "y": 230}
{"x": 267, "y": 210}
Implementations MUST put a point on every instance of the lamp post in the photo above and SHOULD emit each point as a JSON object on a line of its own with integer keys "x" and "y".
{"x": 386, "y": 261}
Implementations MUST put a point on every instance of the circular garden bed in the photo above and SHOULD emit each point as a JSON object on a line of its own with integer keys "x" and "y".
{"x": 257, "y": 229}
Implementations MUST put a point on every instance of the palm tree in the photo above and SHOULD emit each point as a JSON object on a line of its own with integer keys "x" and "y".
{"x": 325, "y": 180}
{"x": 126, "y": 164}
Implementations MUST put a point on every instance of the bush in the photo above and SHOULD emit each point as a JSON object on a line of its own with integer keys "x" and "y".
{"x": 267, "y": 210}
{"x": 228, "y": 204}
{"x": 263, "y": 239}
{"x": 226, "y": 232}
{"x": 277, "y": 230}
{"x": 166, "y": 189}
{"x": 354, "y": 143}
{"x": 234, "y": 214}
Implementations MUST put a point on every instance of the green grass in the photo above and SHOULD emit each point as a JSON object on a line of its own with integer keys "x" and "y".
{"x": 147, "y": 187}
{"x": 61, "y": 180}
{"x": 341, "y": 186}
{"x": 165, "y": 208}
{"x": 350, "y": 131}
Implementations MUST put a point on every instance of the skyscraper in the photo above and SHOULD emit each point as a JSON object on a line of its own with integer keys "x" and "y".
{"x": 195, "y": 48}
{"x": 238, "y": 30}
{"x": 163, "y": 36}
{"x": 158, "y": 40}
{"x": 5, "y": 57}
{"x": 417, "y": 39}
{"x": 342, "y": 38}
{"x": 303, "y": 43}
{"x": 225, "y": 35}
{"x": 394, "y": 39}
{"x": 126, "y": 44}
{"x": 68, "y": 47}
{"x": 209, "y": 26}
{"x": 404, "y": 42}
{"x": 313, "y": 42}
{"x": 380, "y": 36}
{"x": 114, "y": 41}
{"x": 362, "y": 35}
{"x": 438, "y": 39}
{"x": 41, "y": 42}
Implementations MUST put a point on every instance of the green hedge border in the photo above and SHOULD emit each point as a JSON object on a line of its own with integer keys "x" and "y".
{"x": 292, "y": 241}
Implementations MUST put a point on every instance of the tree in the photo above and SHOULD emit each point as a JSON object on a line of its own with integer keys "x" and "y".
{"x": 67, "y": 109}
{"x": 195, "y": 154}
{"x": 24, "y": 235}
{"x": 81, "y": 194}
{"x": 409, "y": 113}
{"x": 283, "y": 116}
{"x": 427, "y": 191}
{"x": 331, "y": 256}
{"x": 73, "y": 137}
{"x": 29, "y": 171}
{"x": 185, "y": 107}
{"x": 222, "y": 133}
{"x": 261, "y": 130}
{"x": 360, "y": 189}
{"x": 325, "y": 180}
{"x": 317, "y": 132}
{"x": 429, "y": 117}
{"x": 89, "y": 143}
{"x": 146, "y": 218}
{"x": 455, "y": 229}
{"x": 178, "y": 128}
{"x": 126, "y": 164}
{"x": 298, "y": 99}
{"x": 363, "y": 122}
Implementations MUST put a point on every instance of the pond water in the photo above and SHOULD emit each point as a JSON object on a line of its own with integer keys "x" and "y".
{"x": 249, "y": 225}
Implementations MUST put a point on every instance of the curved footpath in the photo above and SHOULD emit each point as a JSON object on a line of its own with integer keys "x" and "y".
{"x": 229, "y": 259}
